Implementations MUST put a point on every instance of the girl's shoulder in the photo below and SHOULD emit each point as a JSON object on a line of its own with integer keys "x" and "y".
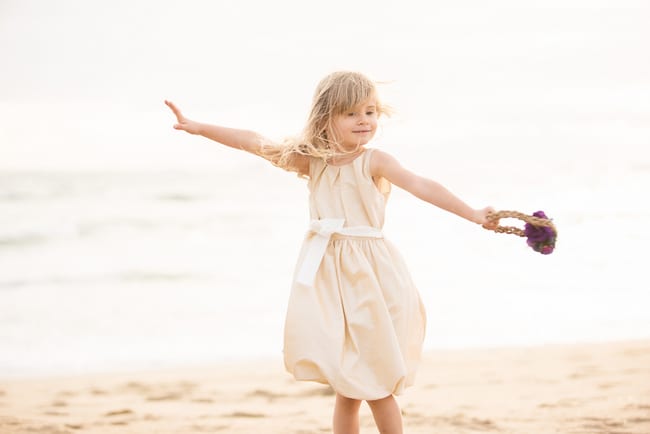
{"x": 378, "y": 160}
{"x": 372, "y": 160}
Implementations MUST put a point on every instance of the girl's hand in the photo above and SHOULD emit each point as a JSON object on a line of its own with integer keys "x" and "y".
{"x": 480, "y": 217}
{"x": 183, "y": 123}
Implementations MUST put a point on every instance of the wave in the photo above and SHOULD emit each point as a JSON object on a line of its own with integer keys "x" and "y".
{"x": 16, "y": 197}
{"x": 24, "y": 240}
{"x": 16, "y": 284}
{"x": 89, "y": 228}
{"x": 131, "y": 276}
{"x": 154, "y": 276}
{"x": 179, "y": 197}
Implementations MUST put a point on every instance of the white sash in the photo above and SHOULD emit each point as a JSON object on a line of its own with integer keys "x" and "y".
{"x": 318, "y": 237}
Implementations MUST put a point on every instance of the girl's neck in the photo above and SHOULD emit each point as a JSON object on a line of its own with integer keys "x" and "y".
{"x": 345, "y": 158}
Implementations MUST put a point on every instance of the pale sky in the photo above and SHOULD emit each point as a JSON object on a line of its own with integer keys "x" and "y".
{"x": 83, "y": 82}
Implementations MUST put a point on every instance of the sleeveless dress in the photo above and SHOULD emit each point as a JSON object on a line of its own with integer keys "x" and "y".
{"x": 356, "y": 321}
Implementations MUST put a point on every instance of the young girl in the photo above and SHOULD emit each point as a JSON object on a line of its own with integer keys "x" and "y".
{"x": 355, "y": 320}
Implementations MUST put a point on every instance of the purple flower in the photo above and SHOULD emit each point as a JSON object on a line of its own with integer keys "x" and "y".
{"x": 537, "y": 233}
{"x": 546, "y": 250}
{"x": 540, "y": 238}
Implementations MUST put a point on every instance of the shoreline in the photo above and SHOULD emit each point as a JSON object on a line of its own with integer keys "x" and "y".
{"x": 586, "y": 387}
{"x": 148, "y": 368}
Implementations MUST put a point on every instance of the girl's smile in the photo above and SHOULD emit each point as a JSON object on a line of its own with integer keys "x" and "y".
{"x": 357, "y": 126}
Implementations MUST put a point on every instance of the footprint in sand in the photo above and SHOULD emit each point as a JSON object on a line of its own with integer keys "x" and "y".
{"x": 56, "y": 404}
{"x": 117, "y": 417}
{"x": 244, "y": 414}
{"x": 637, "y": 420}
{"x": 98, "y": 392}
{"x": 567, "y": 402}
{"x": 169, "y": 396}
{"x": 55, "y": 413}
{"x": 321, "y": 391}
{"x": 203, "y": 400}
{"x": 208, "y": 428}
{"x": 458, "y": 420}
{"x": 585, "y": 372}
{"x": 161, "y": 392}
{"x": 134, "y": 386}
{"x": 461, "y": 420}
{"x": 121, "y": 412}
{"x": 412, "y": 416}
{"x": 637, "y": 407}
{"x": 271, "y": 396}
{"x": 14, "y": 425}
{"x": 600, "y": 424}
{"x": 46, "y": 429}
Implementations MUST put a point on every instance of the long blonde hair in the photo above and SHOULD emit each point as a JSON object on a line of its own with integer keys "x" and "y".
{"x": 336, "y": 94}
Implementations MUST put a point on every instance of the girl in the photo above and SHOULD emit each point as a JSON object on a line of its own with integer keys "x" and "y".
{"x": 355, "y": 320}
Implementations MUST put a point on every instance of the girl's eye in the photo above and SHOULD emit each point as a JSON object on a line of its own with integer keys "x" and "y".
{"x": 370, "y": 113}
{"x": 350, "y": 114}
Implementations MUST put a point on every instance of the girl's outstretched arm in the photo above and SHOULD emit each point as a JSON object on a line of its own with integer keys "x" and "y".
{"x": 245, "y": 140}
{"x": 386, "y": 166}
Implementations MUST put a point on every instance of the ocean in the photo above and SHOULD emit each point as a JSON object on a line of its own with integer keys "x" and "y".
{"x": 135, "y": 269}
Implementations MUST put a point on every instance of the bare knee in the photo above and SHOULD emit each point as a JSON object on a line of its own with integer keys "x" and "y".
{"x": 387, "y": 414}
{"x": 380, "y": 401}
{"x": 344, "y": 401}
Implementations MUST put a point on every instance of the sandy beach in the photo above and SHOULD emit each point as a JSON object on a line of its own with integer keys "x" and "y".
{"x": 582, "y": 388}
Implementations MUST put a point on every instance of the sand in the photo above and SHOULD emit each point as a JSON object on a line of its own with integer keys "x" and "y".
{"x": 582, "y": 388}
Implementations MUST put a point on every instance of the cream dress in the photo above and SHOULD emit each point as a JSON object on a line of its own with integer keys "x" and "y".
{"x": 357, "y": 322}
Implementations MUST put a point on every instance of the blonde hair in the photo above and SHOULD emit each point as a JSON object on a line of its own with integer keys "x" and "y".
{"x": 336, "y": 94}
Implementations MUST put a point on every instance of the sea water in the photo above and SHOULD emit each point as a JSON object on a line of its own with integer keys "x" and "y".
{"x": 108, "y": 270}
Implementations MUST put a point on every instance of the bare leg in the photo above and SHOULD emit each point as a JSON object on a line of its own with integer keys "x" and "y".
{"x": 346, "y": 415}
{"x": 387, "y": 414}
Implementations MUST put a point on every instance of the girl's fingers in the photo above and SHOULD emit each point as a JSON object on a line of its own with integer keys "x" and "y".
{"x": 177, "y": 112}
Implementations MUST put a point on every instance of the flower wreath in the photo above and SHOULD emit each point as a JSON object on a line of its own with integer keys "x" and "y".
{"x": 539, "y": 230}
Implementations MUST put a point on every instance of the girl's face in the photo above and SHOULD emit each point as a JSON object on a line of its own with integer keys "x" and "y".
{"x": 357, "y": 126}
